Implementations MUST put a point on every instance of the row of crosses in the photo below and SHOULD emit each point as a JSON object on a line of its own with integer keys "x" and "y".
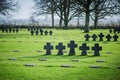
{"x": 72, "y": 47}
{"x": 101, "y": 36}
{"x": 10, "y": 30}
{"x": 41, "y": 32}
{"x": 115, "y": 30}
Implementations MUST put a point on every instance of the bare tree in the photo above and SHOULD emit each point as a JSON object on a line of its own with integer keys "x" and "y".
{"x": 8, "y": 6}
{"x": 103, "y": 8}
{"x": 85, "y": 7}
{"x": 66, "y": 11}
{"x": 45, "y": 7}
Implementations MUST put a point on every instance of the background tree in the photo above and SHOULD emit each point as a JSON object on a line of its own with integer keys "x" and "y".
{"x": 85, "y": 7}
{"x": 66, "y": 11}
{"x": 103, "y": 8}
{"x": 45, "y": 7}
{"x": 7, "y": 7}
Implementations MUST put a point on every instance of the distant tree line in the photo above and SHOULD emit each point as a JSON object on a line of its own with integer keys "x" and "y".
{"x": 68, "y": 9}
{"x": 7, "y": 7}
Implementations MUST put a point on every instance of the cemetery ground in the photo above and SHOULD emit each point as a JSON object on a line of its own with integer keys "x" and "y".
{"x": 17, "y": 50}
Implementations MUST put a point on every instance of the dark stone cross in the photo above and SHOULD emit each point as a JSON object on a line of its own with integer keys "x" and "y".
{"x": 50, "y": 32}
{"x": 6, "y": 30}
{"x": 32, "y": 32}
{"x": 110, "y": 30}
{"x": 84, "y": 49}
{"x": 36, "y": 32}
{"x": 96, "y": 49}
{"x": 60, "y": 48}
{"x": 46, "y": 32}
{"x": 101, "y": 36}
{"x": 13, "y": 30}
{"x": 41, "y": 31}
{"x": 17, "y": 30}
{"x": 72, "y": 47}
{"x": 115, "y": 31}
{"x": 108, "y": 37}
{"x": 87, "y": 36}
{"x": 115, "y": 37}
{"x": 3, "y": 30}
{"x": 94, "y": 37}
{"x": 48, "y": 48}
{"x": 10, "y": 30}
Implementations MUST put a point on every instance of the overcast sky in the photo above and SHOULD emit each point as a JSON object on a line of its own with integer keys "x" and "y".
{"x": 25, "y": 9}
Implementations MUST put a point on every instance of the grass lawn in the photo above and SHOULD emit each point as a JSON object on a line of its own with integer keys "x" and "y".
{"x": 51, "y": 69}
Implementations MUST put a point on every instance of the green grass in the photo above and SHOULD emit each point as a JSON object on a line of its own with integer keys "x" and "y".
{"x": 51, "y": 69}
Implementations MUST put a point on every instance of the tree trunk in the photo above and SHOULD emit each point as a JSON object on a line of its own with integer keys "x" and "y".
{"x": 95, "y": 22}
{"x": 52, "y": 18}
{"x": 65, "y": 24}
{"x": 87, "y": 20}
{"x": 78, "y": 21}
{"x": 60, "y": 22}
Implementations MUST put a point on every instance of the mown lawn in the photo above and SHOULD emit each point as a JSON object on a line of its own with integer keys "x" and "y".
{"x": 51, "y": 69}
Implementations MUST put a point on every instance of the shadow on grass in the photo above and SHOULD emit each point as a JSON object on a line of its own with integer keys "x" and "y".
{"x": 59, "y": 57}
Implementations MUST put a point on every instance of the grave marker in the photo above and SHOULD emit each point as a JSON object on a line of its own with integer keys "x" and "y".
{"x": 84, "y": 49}
{"x": 48, "y": 48}
{"x": 12, "y": 59}
{"x": 41, "y": 31}
{"x": 43, "y": 59}
{"x": 29, "y": 65}
{"x": 60, "y": 48}
{"x": 108, "y": 37}
{"x": 72, "y": 47}
{"x": 10, "y": 30}
{"x": 94, "y": 36}
{"x": 101, "y": 36}
{"x": 50, "y": 32}
{"x": 17, "y": 30}
{"x": 36, "y": 32}
{"x": 96, "y": 49}
{"x": 110, "y": 30}
{"x": 32, "y": 32}
{"x": 87, "y": 36}
{"x": 15, "y": 50}
{"x": 75, "y": 60}
{"x": 94, "y": 66}
{"x": 100, "y": 61}
{"x": 46, "y": 32}
{"x": 66, "y": 66}
{"x": 115, "y": 37}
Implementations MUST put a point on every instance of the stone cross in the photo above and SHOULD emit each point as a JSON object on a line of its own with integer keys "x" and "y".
{"x": 108, "y": 37}
{"x": 94, "y": 37}
{"x": 60, "y": 48}
{"x": 84, "y": 49}
{"x": 48, "y": 48}
{"x": 115, "y": 37}
{"x": 32, "y": 32}
{"x": 41, "y": 31}
{"x": 50, "y": 32}
{"x": 101, "y": 36}
{"x": 72, "y": 47}
{"x": 110, "y": 30}
{"x": 87, "y": 36}
{"x": 96, "y": 49}
{"x": 46, "y": 32}
{"x": 36, "y": 32}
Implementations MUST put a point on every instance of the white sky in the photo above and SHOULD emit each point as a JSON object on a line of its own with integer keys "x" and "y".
{"x": 25, "y": 12}
{"x": 25, "y": 9}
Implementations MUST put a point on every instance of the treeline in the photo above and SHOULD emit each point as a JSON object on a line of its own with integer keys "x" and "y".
{"x": 55, "y": 27}
{"x": 68, "y": 9}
